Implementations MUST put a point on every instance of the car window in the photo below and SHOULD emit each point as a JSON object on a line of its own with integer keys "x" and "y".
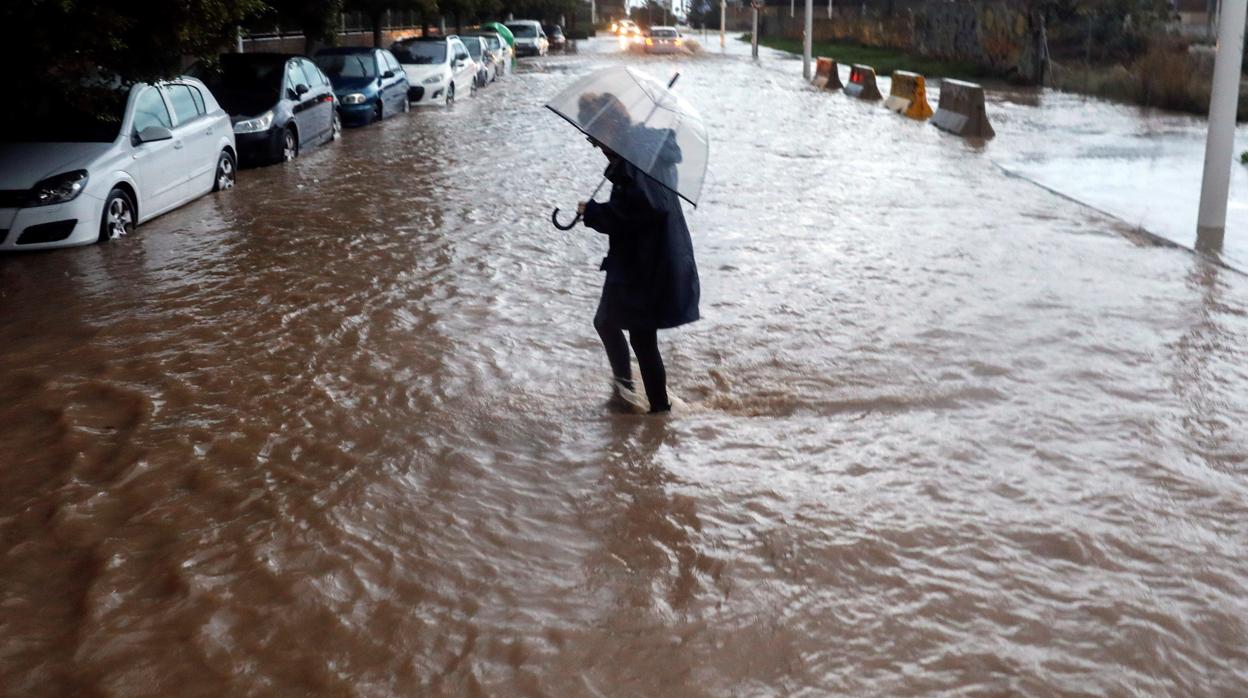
{"x": 149, "y": 110}
{"x": 199, "y": 99}
{"x": 311, "y": 76}
{"x": 183, "y": 103}
{"x": 474, "y": 47}
{"x": 294, "y": 75}
{"x": 523, "y": 31}
{"x": 392, "y": 62}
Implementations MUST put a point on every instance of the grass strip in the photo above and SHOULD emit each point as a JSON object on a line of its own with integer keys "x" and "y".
{"x": 884, "y": 60}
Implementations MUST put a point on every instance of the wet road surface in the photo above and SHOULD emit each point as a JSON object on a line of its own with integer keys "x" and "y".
{"x": 344, "y": 430}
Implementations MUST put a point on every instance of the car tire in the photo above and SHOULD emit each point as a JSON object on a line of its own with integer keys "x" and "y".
{"x": 290, "y": 145}
{"x": 450, "y": 94}
{"x": 379, "y": 112}
{"x": 119, "y": 216}
{"x": 335, "y": 129}
{"x": 226, "y": 173}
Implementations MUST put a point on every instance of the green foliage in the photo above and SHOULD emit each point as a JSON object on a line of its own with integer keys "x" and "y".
{"x": 317, "y": 19}
{"x": 1243, "y": 157}
{"x": 134, "y": 40}
{"x": 884, "y": 60}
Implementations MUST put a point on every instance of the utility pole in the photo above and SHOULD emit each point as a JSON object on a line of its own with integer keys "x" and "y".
{"x": 807, "y": 38}
{"x": 1215, "y": 187}
{"x": 754, "y": 29}
{"x": 593, "y": 12}
{"x": 792, "y": 8}
{"x": 723, "y": 4}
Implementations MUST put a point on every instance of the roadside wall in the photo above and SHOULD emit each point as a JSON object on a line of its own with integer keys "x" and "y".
{"x": 294, "y": 43}
{"x": 999, "y": 35}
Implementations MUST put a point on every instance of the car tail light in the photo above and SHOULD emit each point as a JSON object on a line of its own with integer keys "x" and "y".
{"x": 649, "y": 42}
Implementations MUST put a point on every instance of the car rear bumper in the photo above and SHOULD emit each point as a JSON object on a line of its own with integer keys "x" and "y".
{"x": 259, "y": 148}
{"x": 45, "y": 227}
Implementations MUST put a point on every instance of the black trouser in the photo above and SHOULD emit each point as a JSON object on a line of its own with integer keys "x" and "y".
{"x": 646, "y": 347}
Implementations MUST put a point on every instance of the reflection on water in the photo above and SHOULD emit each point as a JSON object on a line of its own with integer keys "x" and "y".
{"x": 344, "y": 430}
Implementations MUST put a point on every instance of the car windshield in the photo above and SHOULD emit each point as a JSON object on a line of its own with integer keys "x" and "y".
{"x": 664, "y": 33}
{"x": 347, "y": 65}
{"x": 523, "y": 31}
{"x": 494, "y": 43}
{"x": 85, "y": 115}
{"x": 421, "y": 52}
{"x": 239, "y": 72}
{"x": 474, "y": 48}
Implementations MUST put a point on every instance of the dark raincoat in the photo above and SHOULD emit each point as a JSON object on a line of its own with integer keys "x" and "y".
{"x": 652, "y": 280}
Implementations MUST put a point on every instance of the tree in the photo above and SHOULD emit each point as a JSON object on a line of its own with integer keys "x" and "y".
{"x": 375, "y": 11}
{"x": 58, "y": 44}
{"x": 317, "y": 19}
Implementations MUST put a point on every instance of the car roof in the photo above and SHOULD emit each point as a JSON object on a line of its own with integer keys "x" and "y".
{"x": 426, "y": 39}
{"x": 345, "y": 50}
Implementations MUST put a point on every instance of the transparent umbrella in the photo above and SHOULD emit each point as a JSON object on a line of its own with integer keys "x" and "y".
{"x": 642, "y": 121}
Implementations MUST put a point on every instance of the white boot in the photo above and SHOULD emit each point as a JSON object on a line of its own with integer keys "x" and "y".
{"x": 632, "y": 401}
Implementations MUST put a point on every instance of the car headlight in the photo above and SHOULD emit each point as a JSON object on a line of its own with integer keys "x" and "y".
{"x": 255, "y": 125}
{"x": 57, "y": 189}
{"x": 354, "y": 98}
{"x": 433, "y": 79}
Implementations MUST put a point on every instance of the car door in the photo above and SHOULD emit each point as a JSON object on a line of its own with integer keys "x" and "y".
{"x": 396, "y": 84}
{"x": 463, "y": 68}
{"x": 313, "y": 109}
{"x": 197, "y": 135}
{"x": 295, "y": 90}
{"x": 156, "y": 166}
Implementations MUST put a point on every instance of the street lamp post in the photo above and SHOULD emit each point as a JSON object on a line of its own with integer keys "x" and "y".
{"x": 754, "y": 30}
{"x": 807, "y": 38}
{"x": 723, "y": 10}
{"x": 1215, "y": 187}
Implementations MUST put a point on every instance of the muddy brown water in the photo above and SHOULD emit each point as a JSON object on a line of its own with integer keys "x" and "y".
{"x": 344, "y": 430}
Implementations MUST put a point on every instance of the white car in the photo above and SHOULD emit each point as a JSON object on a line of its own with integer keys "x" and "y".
{"x": 530, "y": 37}
{"x": 502, "y": 52}
{"x": 665, "y": 40}
{"x": 71, "y": 176}
{"x": 438, "y": 69}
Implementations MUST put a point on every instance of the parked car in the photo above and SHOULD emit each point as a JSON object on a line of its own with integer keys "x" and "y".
{"x": 530, "y": 39}
{"x": 501, "y": 50}
{"x": 72, "y": 174}
{"x": 437, "y": 68}
{"x": 280, "y": 104}
{"x": 481, "y": 56}
{"x": 665, "y": 40}
{"x": 369, "y": 82}
{"x": 554, "y": 33}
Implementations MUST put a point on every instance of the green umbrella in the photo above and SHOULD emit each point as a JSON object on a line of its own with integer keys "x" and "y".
{"x": 502, "y": 31}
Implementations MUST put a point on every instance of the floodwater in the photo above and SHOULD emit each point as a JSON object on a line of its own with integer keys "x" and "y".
{"x": 345, "y": 431}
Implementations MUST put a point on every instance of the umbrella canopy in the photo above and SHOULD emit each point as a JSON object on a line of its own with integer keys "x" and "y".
{"x": 642, "y": 121}
{"x": 502, "y": 30}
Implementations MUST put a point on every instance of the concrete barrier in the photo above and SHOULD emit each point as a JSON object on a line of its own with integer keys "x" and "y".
{"x": 908, "y": 96}
{"x": 962, "y": 111}
{"x": 827, "y": 74}
{"x": 862, "y": 83}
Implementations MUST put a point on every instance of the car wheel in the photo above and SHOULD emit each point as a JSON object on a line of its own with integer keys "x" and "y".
{"x": 118, "y": 219}
{"x": 335, "y": 130}
{"x": 224, "y": 178}
{"x": 472, "y": 87}
{"x": 450, "y": 94}
{"x": 379, "y": 112}
{"x": 290, "y": 145}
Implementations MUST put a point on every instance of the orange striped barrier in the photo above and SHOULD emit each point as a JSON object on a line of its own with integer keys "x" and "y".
{"x": 908, "y": 95}
{"x": 827, "y": 74}
{"x": 962, "y": 111}
{"x": 862, "y": 83}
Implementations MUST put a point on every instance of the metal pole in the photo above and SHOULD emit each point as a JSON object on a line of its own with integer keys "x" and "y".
{"x": 723, "y": 4}
{"x": 754, "y": 31}
{"x": 593, "y": 12}
{"x": 1211, "y": 224}
{"x": 807, "y": 38}
{"x": 238, "y": 40}
{"x": 829, "y": 9}
{"x": 792, "y": 8}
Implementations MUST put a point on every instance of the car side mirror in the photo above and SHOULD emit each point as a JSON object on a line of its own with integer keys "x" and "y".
{"x": 388, "y": 74}
{"x": 301, "y": 90}
{"x": 151, "y": 134}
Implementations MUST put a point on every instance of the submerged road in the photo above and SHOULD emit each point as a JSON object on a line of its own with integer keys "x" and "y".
{"x": 344, "y": 430}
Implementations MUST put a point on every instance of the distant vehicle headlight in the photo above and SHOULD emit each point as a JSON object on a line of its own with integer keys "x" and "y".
{"x": 256, "y": 125}
{"x": 433, "y": 79}
{"x": 57, "y": 189}
{"x": 354, "y": 98}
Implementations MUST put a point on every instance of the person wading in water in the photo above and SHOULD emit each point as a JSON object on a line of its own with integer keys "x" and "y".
{"x": 652, "y": 279}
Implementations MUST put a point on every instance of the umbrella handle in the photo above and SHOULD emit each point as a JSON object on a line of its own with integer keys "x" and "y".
{"x": 554, "y": 218}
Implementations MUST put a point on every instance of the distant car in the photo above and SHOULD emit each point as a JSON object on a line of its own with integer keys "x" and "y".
{"x": 369, "y": 83}
{"x": 625, "y": 26}
{"x": 554, "y": 33}
{"x": 437, "y": 68}
{"x": 530, "y": 39}
{"x": 665, "y": 40}
{"x": 280, "y": 104}
{"x": 500, "y": 49}
{"x": 73, "y": 175}
{"x": 482, "y": 57}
